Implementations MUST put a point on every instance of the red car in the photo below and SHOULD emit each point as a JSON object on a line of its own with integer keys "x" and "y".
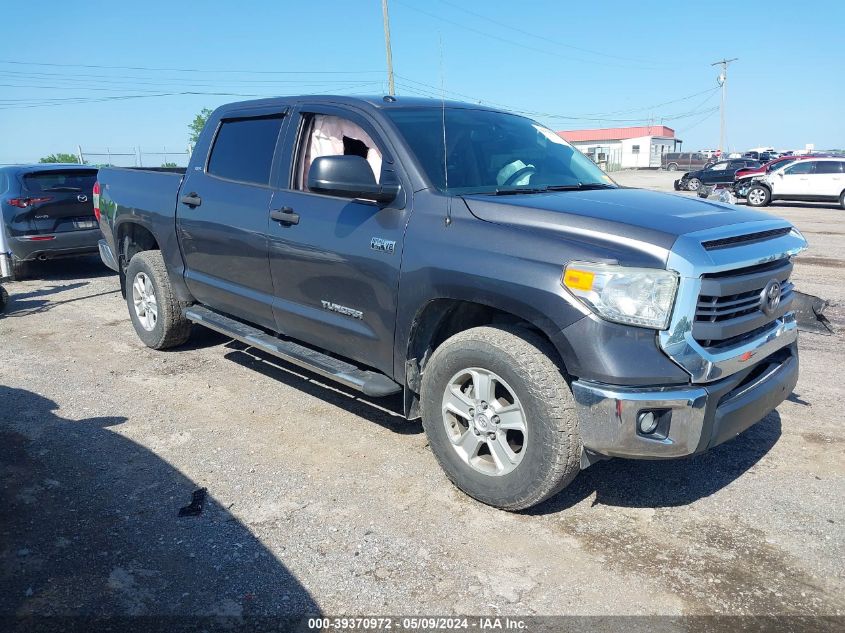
{"x": 766, "y": 168}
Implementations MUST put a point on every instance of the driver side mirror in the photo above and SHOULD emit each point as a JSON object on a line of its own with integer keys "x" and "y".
{"x": 348, "y": 177}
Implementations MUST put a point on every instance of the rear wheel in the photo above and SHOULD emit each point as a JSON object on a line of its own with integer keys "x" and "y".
{"x": 155, "y": 312}
{"x": 500, "y": 417}
{"x": 758, "y": 196}
{"x": 842, "y": 199}
{"x": 693, "y": 184}
{"x": 20, "y": 269}
{"x": 4, "y": 298}
{"x": 672, "y": 167}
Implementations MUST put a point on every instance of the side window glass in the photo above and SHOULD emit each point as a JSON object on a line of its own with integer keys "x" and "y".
{"x": 329, "y": 135}
{"x": 801, "y": 167}
{"x": 829, "y": 167}
{"x": 243, "y": 149}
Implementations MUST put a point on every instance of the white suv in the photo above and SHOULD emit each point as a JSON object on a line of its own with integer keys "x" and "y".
{"x": 811, "y": 180}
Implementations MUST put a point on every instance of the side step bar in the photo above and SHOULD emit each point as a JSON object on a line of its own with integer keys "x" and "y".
{"x": 370, "y": 383}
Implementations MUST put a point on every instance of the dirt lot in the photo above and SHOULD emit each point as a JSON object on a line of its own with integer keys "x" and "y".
{"x": 323, "y": 500}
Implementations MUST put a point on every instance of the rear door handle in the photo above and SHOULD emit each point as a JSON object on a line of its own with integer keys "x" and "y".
{"x": 191, "y": 200}
{"x": 285, "y": 215}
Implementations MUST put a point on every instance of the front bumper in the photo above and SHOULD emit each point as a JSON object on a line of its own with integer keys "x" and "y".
{"x": 62, "y": 244}
{"x": 693, "y": 418}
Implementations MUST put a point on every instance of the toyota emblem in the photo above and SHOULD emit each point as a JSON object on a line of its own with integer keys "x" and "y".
{"x": 770, "y": 297}
{"x": 82, "y": 197}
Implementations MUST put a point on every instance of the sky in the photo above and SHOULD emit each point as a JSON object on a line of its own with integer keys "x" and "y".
{"x": 101, "y": 74}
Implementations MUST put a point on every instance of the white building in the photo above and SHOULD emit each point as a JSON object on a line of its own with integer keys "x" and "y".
{"x": 625, "y": 146}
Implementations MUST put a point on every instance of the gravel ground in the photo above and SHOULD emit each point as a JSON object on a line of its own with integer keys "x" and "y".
{"x": 322, "y": 500}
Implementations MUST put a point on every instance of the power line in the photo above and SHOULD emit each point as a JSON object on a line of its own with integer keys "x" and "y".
{"x": 513, "y": 42}
{"x": 511, "y": 27}
{"x": 193, "y": 70}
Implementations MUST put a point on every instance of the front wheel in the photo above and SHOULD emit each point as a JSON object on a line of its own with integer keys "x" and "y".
{"x": 672, "y": 167}
{"x": 155, "y": 312}
{"x": 500, "y": 417}
{"x": 842, "y": 200}
{"x": 757, "y": 196}
{"x": 693, "y": 184}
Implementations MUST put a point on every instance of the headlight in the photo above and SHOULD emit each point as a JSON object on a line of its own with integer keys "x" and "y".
{"x": 634, "y": 296}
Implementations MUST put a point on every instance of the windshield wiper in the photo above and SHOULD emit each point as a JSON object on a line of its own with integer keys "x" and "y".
{"x": 62, "y": 188}
{"x": 581, "y": 186}
{"x": 509, "y": 191}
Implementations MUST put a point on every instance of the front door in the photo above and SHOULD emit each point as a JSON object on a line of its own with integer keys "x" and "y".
{"x": 222, "y": 217}
{"x": 794, "y": 180}
{"x": 336, "y": 271}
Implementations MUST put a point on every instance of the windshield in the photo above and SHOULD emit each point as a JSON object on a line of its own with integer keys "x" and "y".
{"x": 489, "y": 152}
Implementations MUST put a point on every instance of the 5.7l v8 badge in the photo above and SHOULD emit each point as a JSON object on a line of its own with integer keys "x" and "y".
{"x": 385, "y": 246}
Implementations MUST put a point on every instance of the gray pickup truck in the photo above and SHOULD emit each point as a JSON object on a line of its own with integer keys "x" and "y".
{"x": 537, "y": 316}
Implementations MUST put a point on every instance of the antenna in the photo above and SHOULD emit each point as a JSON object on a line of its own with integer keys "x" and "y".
{"x": 443, "y": 126}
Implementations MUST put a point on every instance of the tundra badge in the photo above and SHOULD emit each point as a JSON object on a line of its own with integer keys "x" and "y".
{"x": 334, "y": 307}
{"x": 383, "y": 245}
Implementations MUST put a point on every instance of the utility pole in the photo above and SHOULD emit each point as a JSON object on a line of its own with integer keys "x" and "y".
{"x": 723, "y": 82}
{"x": 390, "y": 88}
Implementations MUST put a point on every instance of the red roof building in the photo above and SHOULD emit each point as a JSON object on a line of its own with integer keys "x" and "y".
{"x": 625, "y": 147}
{"x": 617, "y": 133}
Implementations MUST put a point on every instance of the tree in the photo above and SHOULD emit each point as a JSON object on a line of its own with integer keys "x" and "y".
{"x": 169, "y": 165}
{"x": 197, "y": 125}
{"x": 60, "y": 157}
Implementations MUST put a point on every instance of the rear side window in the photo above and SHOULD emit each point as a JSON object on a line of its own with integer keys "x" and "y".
{"x": 243, "y": 149}
{"x": 70, "y": 180}
{"x": 829, "y": 167}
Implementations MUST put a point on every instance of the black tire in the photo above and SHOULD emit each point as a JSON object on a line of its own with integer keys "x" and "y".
{"x": 693, "y": 184}
{"x": 552, "y": 444}
{"x": 20, "y": 269}
{"x": 4, "y": 298}
{"x": 170, "y": 328}
{"x": 758, "y": 196}
{"x": 672, "y": 167}
{"x": 842, "y": 199}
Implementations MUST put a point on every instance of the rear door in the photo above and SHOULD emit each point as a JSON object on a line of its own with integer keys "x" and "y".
{"x": 827, "y": 180}
{"x": 222, "y": 217}
{"x": 336, "y": 271}
{"x": 58, "y": 200}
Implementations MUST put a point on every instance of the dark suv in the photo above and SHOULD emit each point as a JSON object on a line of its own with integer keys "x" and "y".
{"x": 48, "y": 211}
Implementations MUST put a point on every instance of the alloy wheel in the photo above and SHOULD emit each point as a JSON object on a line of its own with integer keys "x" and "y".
{"x": 484, "y": 421}
{"x": 145, "y": 302}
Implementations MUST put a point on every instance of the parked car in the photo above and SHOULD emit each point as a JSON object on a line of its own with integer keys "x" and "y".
{"x": 47, "y": 212}
{"x": 772, "y": 165}
{"x": 536, "y": 316}
{"x": 721, "y": 172}
{"x": 810, "y": 180}
{"x": 673, "y": 161}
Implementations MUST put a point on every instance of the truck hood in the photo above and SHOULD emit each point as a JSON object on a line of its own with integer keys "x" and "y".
{"x": 626, "y": 216}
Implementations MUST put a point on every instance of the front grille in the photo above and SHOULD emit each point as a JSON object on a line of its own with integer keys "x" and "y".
{"x": 729, "y": 307}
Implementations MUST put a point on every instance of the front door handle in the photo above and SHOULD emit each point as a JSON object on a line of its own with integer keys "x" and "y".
{"x": 191, "y": 200}
{"x": 285, "y": 215}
